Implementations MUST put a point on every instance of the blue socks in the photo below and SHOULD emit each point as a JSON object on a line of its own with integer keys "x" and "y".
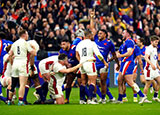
{"x": 68, "y": 91}
{"x": 120, "y": 97}
{"x": 3, "y": 98}
{"x": 39, "y": 91}
{"x": 7, "y": 94}
{"x": 109, "y": 94}
{"x": 99, "y": 92}
{"x": 91, "y": 90}
{"x": 63, "y": 87}
{"x": 155, "y": 94}
{"x": 82, "y": 92}
{"x": 45, "y": 89}
{"x": 135, "y": 95}
{"x": 86, "y": 91}
{"x": 140, "y": 93}
{"x": 26, "y": 93}
{"x": 0, "y": 88}
{"x": 124, "y": 95}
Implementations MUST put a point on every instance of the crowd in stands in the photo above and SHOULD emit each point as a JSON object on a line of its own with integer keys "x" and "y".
{"x": 49, "y": 21}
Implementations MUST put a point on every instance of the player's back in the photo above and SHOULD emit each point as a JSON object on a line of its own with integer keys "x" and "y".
{"x": 20, "y": 49}
{"x": 86, "y": 50}
{"x": 49, "y": 59}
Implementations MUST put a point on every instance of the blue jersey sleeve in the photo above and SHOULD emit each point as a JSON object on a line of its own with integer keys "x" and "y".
{"x": 130, "y": 44}
{"x": 112, "y": 47}
{"x": 61, "y": 51}
{"x": 96, "y": 37}
{"x": 76, "y": 41}
{"x": 137, "y": 51}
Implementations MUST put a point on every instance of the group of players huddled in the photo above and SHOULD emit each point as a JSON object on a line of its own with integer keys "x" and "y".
{"x": 85, "y": 59}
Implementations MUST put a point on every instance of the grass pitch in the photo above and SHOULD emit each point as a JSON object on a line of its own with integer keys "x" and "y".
{"x": 75, "y": 109}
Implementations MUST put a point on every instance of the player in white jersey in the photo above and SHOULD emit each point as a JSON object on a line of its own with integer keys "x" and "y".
{"x": 44, "y": 68}
{"x": 85, "y": 51}
{"x": 152, "y": 67}
{"x": 18, "y": 54}
{"x": 57, "y": 79}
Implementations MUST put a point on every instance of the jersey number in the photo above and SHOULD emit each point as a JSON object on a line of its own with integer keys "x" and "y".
{"x": 84, "y": 51}
{"x": 18, "y": 50}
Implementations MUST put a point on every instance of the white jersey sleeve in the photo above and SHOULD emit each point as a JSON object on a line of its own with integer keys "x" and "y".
{"x": 148, "y": 50}
{"x": 29, "y": 48}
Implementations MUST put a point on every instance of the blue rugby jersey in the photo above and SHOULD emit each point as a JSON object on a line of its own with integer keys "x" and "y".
{"x": 3, "y": 45}
{"x": 104, "y": 47}
{"x": 129, "y": 43}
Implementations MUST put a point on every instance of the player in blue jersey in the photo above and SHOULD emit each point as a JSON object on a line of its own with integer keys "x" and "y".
{"x": 127, "y": 65}
{"x": 137, "y": 60}
{"x": 69, "y": 50}
{"x": 105, "y": 46}
{"x": 3, "y": 44}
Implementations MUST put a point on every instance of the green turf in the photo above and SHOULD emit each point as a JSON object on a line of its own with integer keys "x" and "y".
{"x": 75, "y": 109}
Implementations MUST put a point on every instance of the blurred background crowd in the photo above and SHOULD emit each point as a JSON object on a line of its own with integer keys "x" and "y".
{"x": 49, "y": 21}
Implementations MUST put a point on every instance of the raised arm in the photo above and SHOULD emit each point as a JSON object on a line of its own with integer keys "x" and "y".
{"x": 92, "y": 27}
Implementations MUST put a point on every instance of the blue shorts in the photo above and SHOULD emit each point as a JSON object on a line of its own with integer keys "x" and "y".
{"x": 99, "y": 66}
{"x": 127, "y": 67}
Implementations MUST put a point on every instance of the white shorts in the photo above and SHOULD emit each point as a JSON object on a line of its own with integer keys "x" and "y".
{"x": 5, "y": 81}
{"x": 88, "y": 68}
{"x": 151, "y": 74}
{"x": 19, "y": 68}
{"x": 42, "y": 68}
{"x": 54, "y": 89}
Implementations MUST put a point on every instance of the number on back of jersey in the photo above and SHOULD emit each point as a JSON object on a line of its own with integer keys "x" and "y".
{"x": 18, "y": 50}
{"x": 84, "y": 51}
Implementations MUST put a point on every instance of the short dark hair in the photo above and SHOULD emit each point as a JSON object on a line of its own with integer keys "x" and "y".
{"x": 62, "y": 56}
{"x": 103, "y": 30}
{"x": 65, "y": 40}
{"x": 2, "y": 35}
{"x": 141, "y": 40}
{"x": 21, "y": 32}
{"x": 129, "y": 31}
{"x": 87, "y": 32}
{"x": 154, "y": 37}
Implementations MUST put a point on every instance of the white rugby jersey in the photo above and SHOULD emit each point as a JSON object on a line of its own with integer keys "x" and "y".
{"x": 60, "y": 77}
{"x": 20, "y": 49}
{"x": 153, "y": 55}
{"x": 7, "y": 67}
{"x": 86, "y": 49}
{"x": 48, "y": 61}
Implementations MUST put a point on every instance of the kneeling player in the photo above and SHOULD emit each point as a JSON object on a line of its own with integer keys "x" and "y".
{"x": 56, "y": 80}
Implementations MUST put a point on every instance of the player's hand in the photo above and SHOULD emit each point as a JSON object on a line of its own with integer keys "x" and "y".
{"x": 118, "y": 67}
{"x": 52, "y": 73}
{"x": 153, "y": 67}
{"x": 106, "y": 64}
{"x": 32, "y": 73}
{"x": 92, "y": 14}
{"x": 118, "y": 55}
{"x": 142, "y": 72}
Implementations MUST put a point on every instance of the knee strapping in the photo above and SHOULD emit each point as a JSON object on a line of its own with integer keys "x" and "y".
{"x": 136, "y": 87}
